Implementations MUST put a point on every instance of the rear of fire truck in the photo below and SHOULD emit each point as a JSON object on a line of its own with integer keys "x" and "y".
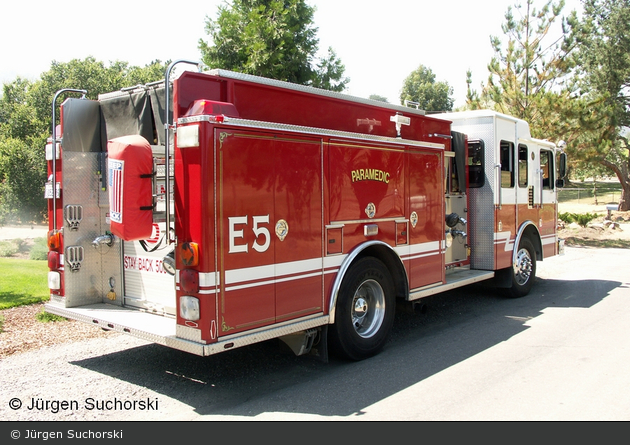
{"x": 107, "y": 261}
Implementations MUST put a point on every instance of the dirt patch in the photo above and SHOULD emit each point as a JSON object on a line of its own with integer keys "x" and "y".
{"x": 22, "y": 331}
{"x": 600, "y": 232}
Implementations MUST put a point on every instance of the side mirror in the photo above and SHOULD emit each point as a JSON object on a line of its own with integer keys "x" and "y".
{"x": 562, "y": 166}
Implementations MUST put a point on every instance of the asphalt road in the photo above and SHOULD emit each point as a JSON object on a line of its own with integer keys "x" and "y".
{"x": 561, "y": 353}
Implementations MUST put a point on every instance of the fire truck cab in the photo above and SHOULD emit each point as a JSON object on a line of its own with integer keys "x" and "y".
{"x": 220, "y": 209}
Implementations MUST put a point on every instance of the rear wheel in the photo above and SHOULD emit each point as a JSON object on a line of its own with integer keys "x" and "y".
{"x": 523, "y": 270}
{"x": 364, "y": 312}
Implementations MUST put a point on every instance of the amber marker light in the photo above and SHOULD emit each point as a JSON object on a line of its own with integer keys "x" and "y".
{"x": 189, "y": 254}
{"x": 54, "y": 240}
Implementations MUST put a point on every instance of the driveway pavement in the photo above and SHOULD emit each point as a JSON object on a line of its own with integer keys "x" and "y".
{"x": 22, "y": 232}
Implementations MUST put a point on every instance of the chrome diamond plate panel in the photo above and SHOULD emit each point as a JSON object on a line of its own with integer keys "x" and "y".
{"x": 97, "y": 267}
{"x": 481, "y": 212}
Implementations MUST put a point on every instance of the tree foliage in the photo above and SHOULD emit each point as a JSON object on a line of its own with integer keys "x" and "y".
{"x": 569, "y": 78}
{"x": 378, "y": 97}
{"x": 529, "y": 75}
{"x": 604, "y": 37}
{"x": 22, "y": 178}
{"x": 421, "y": 88}
{"x": 271, "y": 38}
{"x": 25, "y": 124}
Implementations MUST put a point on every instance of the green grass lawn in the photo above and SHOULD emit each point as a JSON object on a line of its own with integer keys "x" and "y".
{"x": 23, "y": 282}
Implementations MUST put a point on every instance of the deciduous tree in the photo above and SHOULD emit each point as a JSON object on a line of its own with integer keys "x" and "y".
{"x": 428, "y": 94}
{"x": 271, "y": 38}
{"x": 25, "y": 124}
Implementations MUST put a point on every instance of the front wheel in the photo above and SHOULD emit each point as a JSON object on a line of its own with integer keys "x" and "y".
{"x": 365, "y": 310}
{"x": 523, "y": 270}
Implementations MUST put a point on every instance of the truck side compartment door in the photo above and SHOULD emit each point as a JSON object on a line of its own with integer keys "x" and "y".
{"x": 270, "y": 228}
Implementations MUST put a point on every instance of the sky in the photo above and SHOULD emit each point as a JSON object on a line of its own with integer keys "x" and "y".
{"x": 379, "y": 42}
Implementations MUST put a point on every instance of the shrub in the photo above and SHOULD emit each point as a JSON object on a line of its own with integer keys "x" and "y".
{"x": 584, "y": 218}
{"x": 581, "y": 218}
{"x": 39, "y": 251}
{"x": 566, "y": 217}
{"x": 8, "y": 248}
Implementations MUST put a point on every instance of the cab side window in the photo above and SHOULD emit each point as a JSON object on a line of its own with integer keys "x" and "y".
{"x": 546, "y": 166}
{"x": 476, "y": 177}
{"x": 522, "y": 165}
{"x": 507, "y": 164}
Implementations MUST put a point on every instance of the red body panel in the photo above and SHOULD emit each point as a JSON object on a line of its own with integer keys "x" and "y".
{"x": 426, "y": 198}
{"x": 246, "y": 182}
{"x": 268, "y": 103}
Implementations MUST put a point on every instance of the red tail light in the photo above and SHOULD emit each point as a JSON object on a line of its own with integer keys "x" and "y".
{"x": 53, "y": 260}
{"x": 189, "y": 281}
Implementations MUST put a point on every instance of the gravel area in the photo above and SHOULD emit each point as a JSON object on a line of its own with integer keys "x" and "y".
{"x": 22, "y": 331}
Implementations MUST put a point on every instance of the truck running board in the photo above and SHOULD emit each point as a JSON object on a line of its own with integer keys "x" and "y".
{"x": 162, "y": 330}
{"x": 454, "y": 278}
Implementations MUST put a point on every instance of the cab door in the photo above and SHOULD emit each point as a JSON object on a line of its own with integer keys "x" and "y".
{"x": 506, "y": 198}
{"x": 549, "y": 205}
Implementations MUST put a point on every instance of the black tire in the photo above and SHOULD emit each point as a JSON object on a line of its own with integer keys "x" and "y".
{"x": 364, "y": 312}
{"x": 523, "y": 271}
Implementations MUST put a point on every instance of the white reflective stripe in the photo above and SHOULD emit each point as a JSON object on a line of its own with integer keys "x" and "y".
{"x": 334, "y": 261}
{"x": 273, "y": 281}
{"x": 549, "y": 239}
{"x": 297, "y": 270}
{"x": 207, "y": 291}
{"x": 208, "y": 279}
{"x": 416, "y": 251}
{"x": 249, "y": 274}
{"x": 504, "y": 237}
{"x": 299, "y": 266}
{"x": 275, "y": 272}
{"x": 424, "y": 247}
{"x": 208, "y": 283}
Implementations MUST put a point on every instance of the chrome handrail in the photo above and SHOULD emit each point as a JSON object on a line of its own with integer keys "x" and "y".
{"x": 167, "y": 152}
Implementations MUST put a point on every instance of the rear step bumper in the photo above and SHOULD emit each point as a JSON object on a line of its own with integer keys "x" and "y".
{"x": 162, "y": 330}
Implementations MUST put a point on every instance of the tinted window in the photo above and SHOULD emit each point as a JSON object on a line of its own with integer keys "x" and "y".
{"x": 476, "y": 177}
{"x": 522, "y": 165}
{"x": 507, "y": 164}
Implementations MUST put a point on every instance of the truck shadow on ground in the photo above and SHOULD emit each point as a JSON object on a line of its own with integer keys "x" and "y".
{"x": 267, "y": 377}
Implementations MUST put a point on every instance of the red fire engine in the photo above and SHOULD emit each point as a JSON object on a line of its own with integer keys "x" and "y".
{"x": 219, "y": 209}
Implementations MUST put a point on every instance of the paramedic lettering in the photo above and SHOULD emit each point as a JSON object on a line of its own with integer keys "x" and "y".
{"x": 370, "y": 174}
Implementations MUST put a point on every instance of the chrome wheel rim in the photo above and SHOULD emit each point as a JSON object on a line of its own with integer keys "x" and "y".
{"x": 368, "y": 308}
{"x": 523, "y": 267}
